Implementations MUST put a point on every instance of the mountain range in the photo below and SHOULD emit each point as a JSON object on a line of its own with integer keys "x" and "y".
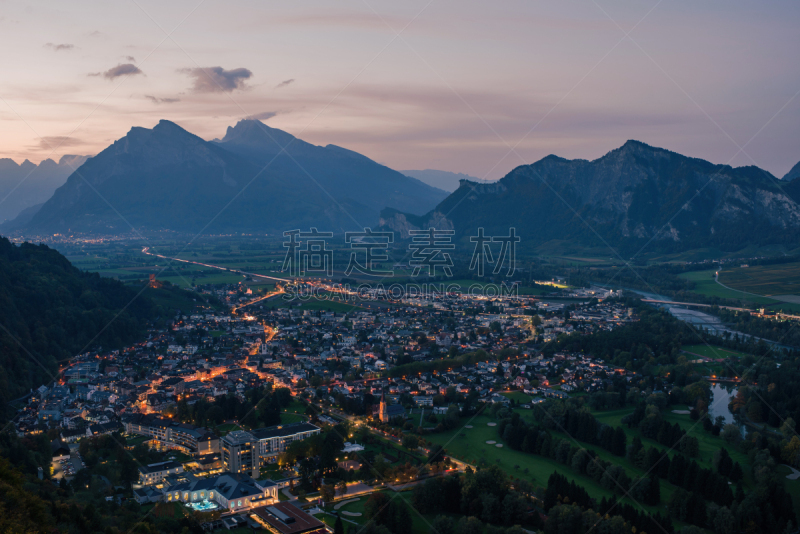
{"x": 254, "y": 179}
{"x": 633, "y": 196}
{"x": 26, "y": 184}
{"x": 448, "y": 181}
{"x": 258, "y": 179}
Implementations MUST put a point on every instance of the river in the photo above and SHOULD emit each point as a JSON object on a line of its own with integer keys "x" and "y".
{"x": 722, "y": 395}
{"x": 701, "y": 319}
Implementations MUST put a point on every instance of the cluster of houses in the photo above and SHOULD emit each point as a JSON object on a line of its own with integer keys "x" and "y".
{"x": 584, "y": 318}
{"x": 536, "y": 375}
{"x": 326, "y": 356}
{"x": 211, "y": 354}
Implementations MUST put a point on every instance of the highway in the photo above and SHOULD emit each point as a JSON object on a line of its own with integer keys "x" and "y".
{"x": 325, "y": 285}
{"x": 319, "y": 283}
{"x": 146, "y": 250}
{"x": 279, "y": 290}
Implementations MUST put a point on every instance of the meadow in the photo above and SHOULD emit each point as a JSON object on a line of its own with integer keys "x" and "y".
{"x": 768, "y": 280}
{"x": 707, "y": 442}
{"x": 421, "y": 524}
{"x": 706, "y": 285}
{"x": 294, "y": 413}
{"x": 469, "y": 445}
{"x": 750, "y": 290}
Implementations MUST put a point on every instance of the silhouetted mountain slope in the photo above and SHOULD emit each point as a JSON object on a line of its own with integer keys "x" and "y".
{"x": 27, "y": 184}
{"x": 50, "y": 311}
{"x": 626, "y": 198}
{"x": 22, "y": 218}
{"x": 793, "y": 173}
{"x": 351, "y": 178}
{"x": 168, "y": 178}
{"x": 447, "y": 181}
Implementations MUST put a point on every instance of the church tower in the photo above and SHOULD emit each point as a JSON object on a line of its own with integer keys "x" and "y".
{"x": 383, "y": 414}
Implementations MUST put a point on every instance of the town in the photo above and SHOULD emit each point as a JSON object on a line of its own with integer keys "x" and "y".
{"x": 378, "y": 370}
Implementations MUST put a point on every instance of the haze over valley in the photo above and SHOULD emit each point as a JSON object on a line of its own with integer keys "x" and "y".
{"x": 400, "y": 267}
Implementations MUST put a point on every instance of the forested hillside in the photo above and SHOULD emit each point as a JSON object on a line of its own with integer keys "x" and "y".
{"x": 50, "y": 310}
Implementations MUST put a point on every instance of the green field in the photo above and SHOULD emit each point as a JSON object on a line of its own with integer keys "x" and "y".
{"x": 708, "y": 443}
{"x": 387, "y": 449}
{"x": 421, "y": 524}
{"x": 296, "y": 407}
{"x": 287, "y": 418}
{"x": 127, "y": 262}
{"x": 136, "y": 440}
{"x": 263, "y": 256}
{"x": 223, "y": 429}
{"x": 355, "y": 507}
{"x": 706, "y": 285}
{"x": 294, "y": 413}
{"x": 470, "y": 445}
{"x": 472, "y": 448}
{"x": 792, "y": 486}
{"x": 205, "y": 276}
{"x": 710, "y": 351}
{"x": 769, "y": 280}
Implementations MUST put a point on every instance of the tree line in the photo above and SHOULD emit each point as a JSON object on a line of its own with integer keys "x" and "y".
{"x": 579, "y": 424}
{"x": 570, "y": 510}
{"x": 261, "y": 407}
{"x": 485, "y": 494}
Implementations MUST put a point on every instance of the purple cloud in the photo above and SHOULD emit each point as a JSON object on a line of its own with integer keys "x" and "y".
{"x": 123, "y": 69}
{"x": 217, "y": 79}
{"x": 58, "y": 47}
{"x": 157, "y": 100}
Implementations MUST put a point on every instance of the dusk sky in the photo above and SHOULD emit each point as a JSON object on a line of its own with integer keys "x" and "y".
{"x": 461, "y": 86}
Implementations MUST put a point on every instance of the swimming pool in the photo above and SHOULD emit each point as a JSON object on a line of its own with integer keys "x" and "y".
{"x": 202, "y": 506}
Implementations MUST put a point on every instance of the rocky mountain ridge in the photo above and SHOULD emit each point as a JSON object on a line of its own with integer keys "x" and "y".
{"x": 631, "y": 196}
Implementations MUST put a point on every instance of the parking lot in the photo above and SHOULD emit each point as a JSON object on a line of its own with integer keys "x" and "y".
{"x": 68, "y": 466}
